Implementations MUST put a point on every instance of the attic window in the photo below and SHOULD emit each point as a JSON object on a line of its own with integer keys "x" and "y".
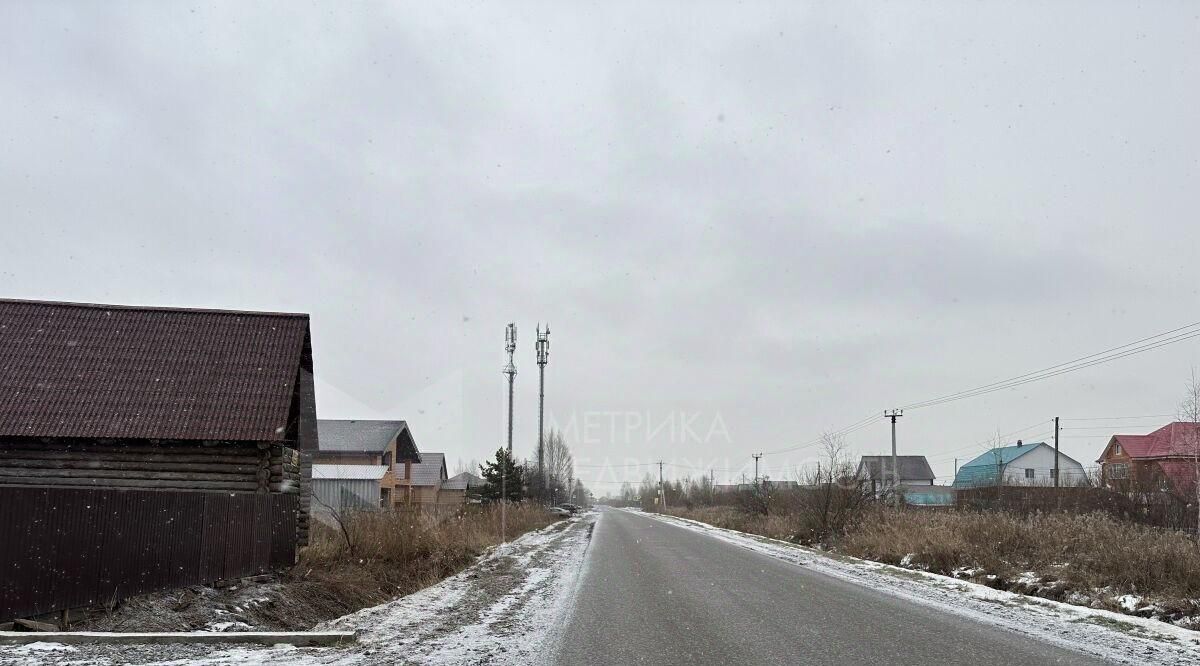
{"x": 1116, "y": 449}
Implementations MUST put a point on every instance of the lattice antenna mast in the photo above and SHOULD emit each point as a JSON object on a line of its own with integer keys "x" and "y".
{"x": 543, "y": 357}
{"x": 510, "y": 346}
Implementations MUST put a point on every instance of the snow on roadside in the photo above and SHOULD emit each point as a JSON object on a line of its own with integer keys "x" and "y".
{"x": 1119, "y": 638}
{"x": 504, "y": 609}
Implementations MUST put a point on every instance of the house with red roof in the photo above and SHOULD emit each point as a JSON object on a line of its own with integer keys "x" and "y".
{"x": 1167, "y": 459}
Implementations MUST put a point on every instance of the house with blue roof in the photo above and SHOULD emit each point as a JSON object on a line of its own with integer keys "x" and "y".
{"x": 1020, "y": 465}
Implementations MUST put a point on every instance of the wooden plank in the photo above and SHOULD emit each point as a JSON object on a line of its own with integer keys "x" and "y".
{"x": 297, "y": 638}
{"x": 128, "y": 465}
{"x": 133, "y": 444}
{"x": 78, "y": 454}
{"x": 122, "y": 474}
{"x": 182, "y": 484}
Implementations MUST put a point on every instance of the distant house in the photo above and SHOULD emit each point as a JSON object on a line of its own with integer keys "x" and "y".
{"x": 1020, "y": 464}
{"x": 1164, "y": 460}
{"x": 460, "y": 489}
{"x": 372, "y": 443}
{"x": 339, "y": 488}
{"x": 428, "y": 476}
{"x": 877, "y": 471}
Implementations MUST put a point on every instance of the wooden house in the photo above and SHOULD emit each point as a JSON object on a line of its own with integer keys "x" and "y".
{"x": 195, "y": 417}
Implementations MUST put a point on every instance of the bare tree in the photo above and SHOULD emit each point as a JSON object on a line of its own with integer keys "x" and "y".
{"x": 341, "y": 519}
{"x": 471, "y": 466}
{"x": 1189, "y": 442}
{"x": 560, "y": 464}
{"x": 834, "y": 496}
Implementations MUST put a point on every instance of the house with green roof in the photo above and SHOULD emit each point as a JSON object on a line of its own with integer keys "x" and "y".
{"x": 1020, "y": 465}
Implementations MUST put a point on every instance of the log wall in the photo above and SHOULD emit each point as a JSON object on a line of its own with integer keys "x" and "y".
{"x": 207, "y": 465}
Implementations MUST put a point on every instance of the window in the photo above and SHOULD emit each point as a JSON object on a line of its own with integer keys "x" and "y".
{"x": 1053, "y": 473}
{"x": 1116, "y": 449}
{"x": 1117, "y": 470}
{"x": 1028, "y": 473}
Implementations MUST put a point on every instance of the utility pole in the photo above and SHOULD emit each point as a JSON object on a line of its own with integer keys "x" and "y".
{"x": 893, "y": 415}
{"x": 1056, "y": 452}
{"x": 543, "y": 357}
{"x": 662, "y": 492}
{"x": 756, "y": 456}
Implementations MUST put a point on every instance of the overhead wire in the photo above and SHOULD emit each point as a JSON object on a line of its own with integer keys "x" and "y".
{"x": 1137, "y": 347}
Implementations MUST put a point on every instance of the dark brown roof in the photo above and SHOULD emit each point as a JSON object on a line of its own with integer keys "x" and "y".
{"x": 78, "y": 370}
{"x": 880, "y": 467}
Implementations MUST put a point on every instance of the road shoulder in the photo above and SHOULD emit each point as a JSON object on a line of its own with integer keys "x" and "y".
{"x": 1111, "y": 636}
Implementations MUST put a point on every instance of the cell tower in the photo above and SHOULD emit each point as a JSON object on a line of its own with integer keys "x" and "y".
{"x": 510, "y": 346}
{"x": 543, "y": 357}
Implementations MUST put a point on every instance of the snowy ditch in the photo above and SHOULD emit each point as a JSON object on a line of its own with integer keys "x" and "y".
{"x": 1109, "y": 635}
{"x": 507, "y": 608}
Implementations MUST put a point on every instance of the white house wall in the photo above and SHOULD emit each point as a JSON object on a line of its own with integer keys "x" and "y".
{"x": 1041, "y": 460}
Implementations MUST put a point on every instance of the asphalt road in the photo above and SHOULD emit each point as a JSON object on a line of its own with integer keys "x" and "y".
{"x": 659, "y": 594}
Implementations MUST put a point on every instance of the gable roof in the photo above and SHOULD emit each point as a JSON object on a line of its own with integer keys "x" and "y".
{"x": 349, "y": 472}
{"x": 106, "y": 371}
{"x": 1180, "y": 438}
{"x": 880, "y": 467}
{"x": 1003, "y": 455}
{"x": 366, "y": 436}
{"x": 431, "y": 471}
{"x": 462, "y": 481}
{"x": 986, "y": 468}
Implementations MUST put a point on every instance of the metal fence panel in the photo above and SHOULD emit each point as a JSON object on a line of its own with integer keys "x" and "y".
{"x": 74, "y": 547}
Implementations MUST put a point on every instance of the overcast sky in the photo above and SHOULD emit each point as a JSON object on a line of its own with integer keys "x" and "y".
{"x": 746, "y": 224}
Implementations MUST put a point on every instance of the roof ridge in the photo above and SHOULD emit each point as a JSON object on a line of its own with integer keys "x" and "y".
{"x": 363, "y": 420}
{"x": 152, "y": 308}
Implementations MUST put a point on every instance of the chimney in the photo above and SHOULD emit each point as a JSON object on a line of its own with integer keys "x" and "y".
{"x": 1019, "y": 443}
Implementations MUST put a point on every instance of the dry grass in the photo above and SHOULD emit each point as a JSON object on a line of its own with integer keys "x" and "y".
{"x": 396, "y": 553}
{"x": 1084, "y": 551}
{"x": 1090, "y": 558}
{"x": 775, "y": 526}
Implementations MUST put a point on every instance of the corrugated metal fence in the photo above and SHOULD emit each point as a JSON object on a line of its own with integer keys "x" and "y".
{"x": 69, "y": 548}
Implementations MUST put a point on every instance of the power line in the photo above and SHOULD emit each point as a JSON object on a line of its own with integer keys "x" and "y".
{"x": 857, "y": 425}
{"x": 1108, "y": 355}
{"x": 615, "y": 466}
{"x": 989, "y": 440}
{"x": 1108, "y": 428}
{"x": 1119, "y": 418}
